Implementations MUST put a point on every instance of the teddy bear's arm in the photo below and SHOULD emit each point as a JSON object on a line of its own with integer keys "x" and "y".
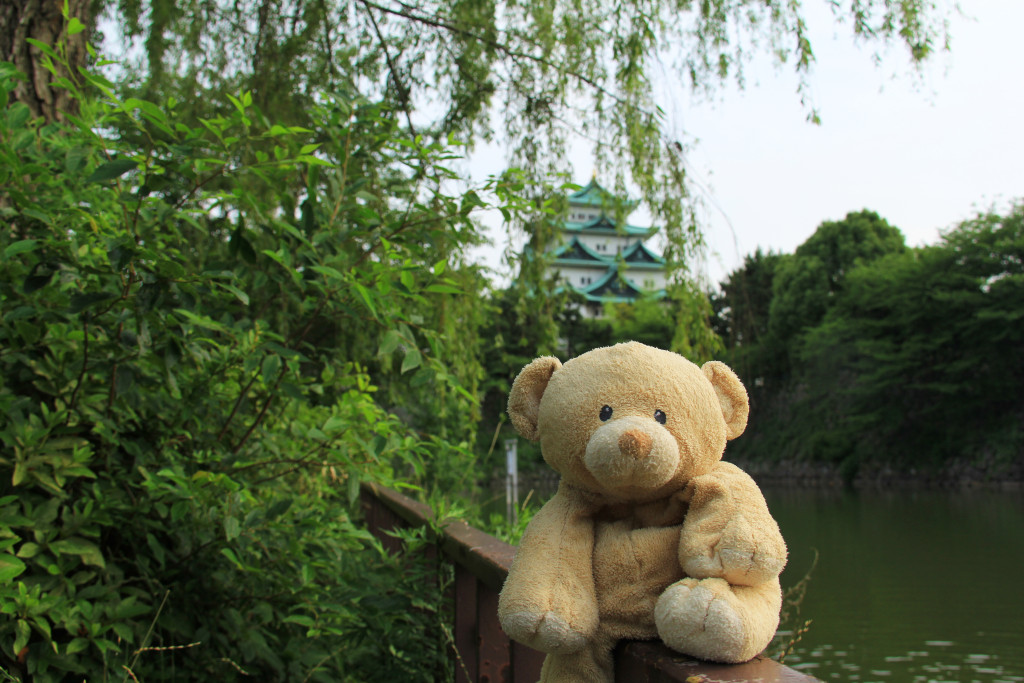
{"x": 548, "y": 601}
{"x": 729, "y": 532}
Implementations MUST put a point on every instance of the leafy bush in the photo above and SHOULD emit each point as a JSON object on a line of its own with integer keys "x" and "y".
{"x": 191, "y": 314}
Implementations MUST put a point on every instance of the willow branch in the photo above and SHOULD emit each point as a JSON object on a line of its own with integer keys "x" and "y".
{"x": 403, "y": 92}
{"x": 408, "y": 13}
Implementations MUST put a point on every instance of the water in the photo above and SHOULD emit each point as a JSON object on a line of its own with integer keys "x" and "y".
{"x": 909, "y": 586}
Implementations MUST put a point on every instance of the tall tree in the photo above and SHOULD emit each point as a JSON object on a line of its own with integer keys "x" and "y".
{"x": 742, "y": 314}
{"x": 24, "y": 21}
{"x": 805, "y": 286}
{"x": 919, "y": 358}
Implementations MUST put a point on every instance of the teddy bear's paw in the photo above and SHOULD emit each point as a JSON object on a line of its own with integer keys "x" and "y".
{"x": 736, "y": 554}
{"x": 701, "y": 618}
{"x": 544, "y": 631}
{"x": 742, "y": 565}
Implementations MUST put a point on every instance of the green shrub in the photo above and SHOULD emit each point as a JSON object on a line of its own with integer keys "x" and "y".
{"x": 191, "y": 314}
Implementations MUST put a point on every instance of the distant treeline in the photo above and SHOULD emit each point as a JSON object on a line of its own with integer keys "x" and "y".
{"x": 859, "y": 351}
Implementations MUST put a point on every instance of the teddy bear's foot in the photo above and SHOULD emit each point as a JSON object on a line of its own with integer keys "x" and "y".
{"x": 545, "y": 631}
{"x": 712, "y": 620}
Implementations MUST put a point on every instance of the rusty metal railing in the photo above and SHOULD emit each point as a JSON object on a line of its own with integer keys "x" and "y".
{"x": 485, "y": 653}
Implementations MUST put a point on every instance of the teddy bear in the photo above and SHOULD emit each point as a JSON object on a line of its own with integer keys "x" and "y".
{"x": 650, "y": 534}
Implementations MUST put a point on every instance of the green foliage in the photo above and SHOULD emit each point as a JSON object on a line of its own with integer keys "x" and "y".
{"x": 536, "y": 73}
{"x": 905, "y": 357}
{"x": 679, "y": 322}
{"x": 742, "y": 315}
{"x": 927, "y": 348}
{"x": 192, "y": 313}
{"x": 805, "y": 285}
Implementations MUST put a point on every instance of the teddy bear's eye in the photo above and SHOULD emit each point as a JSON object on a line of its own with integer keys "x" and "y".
{"x": 606, "y": 413}
{"x": 660, "y": 416}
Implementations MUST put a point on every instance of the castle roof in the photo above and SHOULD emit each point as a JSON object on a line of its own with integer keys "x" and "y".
{"x": 639, "y": 256}
{"x": 577, "y": 252}
{"x": 615, "y": 289}
{"x": 592, "y": 194}
{"x": 603, "y": 225}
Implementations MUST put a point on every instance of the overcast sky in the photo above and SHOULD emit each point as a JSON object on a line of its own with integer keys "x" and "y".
{"x": 924, "y": 152}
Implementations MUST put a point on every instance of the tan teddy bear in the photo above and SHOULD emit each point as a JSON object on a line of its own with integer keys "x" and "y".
{"x": 650, "y": 534}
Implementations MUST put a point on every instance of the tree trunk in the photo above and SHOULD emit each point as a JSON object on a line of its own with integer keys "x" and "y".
{"x": 42, "y": 21}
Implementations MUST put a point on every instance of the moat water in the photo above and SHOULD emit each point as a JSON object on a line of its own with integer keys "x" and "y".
{"x": 908, "y": 586}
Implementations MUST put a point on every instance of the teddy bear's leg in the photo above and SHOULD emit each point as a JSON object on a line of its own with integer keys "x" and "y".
{"x": 713, "y": 620}
{"x": 592, "y": 664}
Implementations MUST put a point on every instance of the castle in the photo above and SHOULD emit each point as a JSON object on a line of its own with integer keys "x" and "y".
{"x": 602, "y": 259}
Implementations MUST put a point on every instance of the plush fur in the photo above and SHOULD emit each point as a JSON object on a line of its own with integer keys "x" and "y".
{"x": 650, "y": 534}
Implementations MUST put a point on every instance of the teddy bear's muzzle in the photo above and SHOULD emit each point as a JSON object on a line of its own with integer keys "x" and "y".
{"x": 631, "y": 452}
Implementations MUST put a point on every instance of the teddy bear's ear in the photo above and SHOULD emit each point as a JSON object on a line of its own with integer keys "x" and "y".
{"x": 731, "y": 395}
{"x": 527, "y": 390}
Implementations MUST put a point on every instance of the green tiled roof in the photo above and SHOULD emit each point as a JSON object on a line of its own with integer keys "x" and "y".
{"x": 602, "y": 225}
{"x": 615, "y": 289}
{"x": 595, "y": 195}
{"x": 591, "y": 195}
{"x": 578, "y": 252}
{"x": 639, "y": 255}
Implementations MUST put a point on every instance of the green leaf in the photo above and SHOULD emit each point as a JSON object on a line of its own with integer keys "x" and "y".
{"x": 24, "y": 632}
{"x": 10, "y": 567}
{"x": 43, "y": 47}
{"x": 390, "y": 342}
{"x": 112, "y": 169}
{"x": 19, "y": 474}
{"x": 87, "y": 550}
{"x": 444, "y": 289}
{"x": 365, "y": 294}
{"x": 29, "y": 332}
{"x": 352, "y": 486}
{"x": 232, "y": 528}
{"x": 271, "y": 366}
{"x": 202, "y": 321}
{"x": 28, "y": 550}
{"x": 300, "y": 619}
{"x": 18, "y": 114}
{"x": 76, "y": 158}
{"x": 239, "y": 294}
{"x": 335, "y": 423}
{"x": 75, "y": 26}
{"x": 38, "y": 215}
{"x": 151, "y": 110}
{"x": 412, "y": 360}
{"x": 313, "y": 161}
{"x": 330, "y": 273}
{"x": 230, "y": 554}
{"x": 20, "y": 247}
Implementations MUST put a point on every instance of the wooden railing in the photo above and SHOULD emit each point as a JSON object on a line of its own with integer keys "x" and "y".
{"x": 486, "y": 655}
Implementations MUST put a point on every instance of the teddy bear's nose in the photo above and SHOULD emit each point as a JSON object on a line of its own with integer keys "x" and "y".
{"x": 635, "y": 444}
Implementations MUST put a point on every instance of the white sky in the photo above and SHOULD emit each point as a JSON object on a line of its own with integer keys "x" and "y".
{"x": 925, "y": 153}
